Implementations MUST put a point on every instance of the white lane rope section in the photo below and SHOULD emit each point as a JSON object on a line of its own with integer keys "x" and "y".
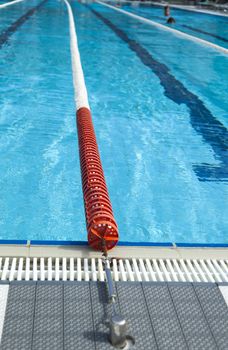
{"x": 10, "y": 3}
{"x": 165, "y": 28}
{"x": 80, "y": 91}
{"x": 180, "y": 7}
{"x": 4, "y": 288}
{"x": 188, "y": 8}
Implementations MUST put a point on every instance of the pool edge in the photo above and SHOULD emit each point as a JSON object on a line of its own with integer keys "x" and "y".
{"x": 121, "y": 251}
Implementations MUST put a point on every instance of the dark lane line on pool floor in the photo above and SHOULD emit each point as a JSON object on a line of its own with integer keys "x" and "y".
{"x": 202, "y": 120}
{"x": 204, "y": 32}
{"x": 6, "y": 34}
{"x": 197, "y": 30}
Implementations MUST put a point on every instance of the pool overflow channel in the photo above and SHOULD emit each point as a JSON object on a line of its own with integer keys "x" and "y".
{"x": 101, "y": 226}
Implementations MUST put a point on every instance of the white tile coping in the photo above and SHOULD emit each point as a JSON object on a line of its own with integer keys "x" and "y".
{"x": 78, "y": 251}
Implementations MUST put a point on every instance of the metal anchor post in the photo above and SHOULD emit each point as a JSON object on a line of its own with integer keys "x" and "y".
{"x": 118, "y": 325}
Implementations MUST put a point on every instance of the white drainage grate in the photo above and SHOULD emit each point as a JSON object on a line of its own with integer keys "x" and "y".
{"x": 81, "y": 269}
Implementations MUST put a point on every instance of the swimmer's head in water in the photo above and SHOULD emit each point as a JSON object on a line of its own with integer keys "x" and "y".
{"x": 170, "y": 20}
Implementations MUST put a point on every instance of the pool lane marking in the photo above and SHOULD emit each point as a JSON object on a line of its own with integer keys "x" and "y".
{"x": 204, "y": 32}
{"x": 168, "y": 29}
{"x": 6, "y": 34}
{"x": 80, "y": 91}
{"x": 201, "y": 119}
{"x": 10, "y": 3}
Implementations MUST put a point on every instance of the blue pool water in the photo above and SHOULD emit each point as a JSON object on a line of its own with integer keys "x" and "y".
{"x": 159, "y": 106}
{"x": 205, "y": 26}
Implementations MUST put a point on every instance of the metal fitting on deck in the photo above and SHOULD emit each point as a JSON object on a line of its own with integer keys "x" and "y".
{"x": 117, "y": 324}
{"x": 118, "y": 331}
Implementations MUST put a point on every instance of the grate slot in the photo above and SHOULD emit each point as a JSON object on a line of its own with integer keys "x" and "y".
{"x": 91, "y": 269}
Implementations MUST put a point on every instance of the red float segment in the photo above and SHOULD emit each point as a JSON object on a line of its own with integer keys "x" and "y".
{"x": 101, "y": 226}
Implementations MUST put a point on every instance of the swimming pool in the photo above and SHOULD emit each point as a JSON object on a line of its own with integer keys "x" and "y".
{"x": 159, "y": 109}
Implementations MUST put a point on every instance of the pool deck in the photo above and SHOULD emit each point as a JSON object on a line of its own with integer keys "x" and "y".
{"x": 55, "y": 297}
{"x": 74, "y": 315}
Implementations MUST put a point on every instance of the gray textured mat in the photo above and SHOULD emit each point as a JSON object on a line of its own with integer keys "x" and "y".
{"x": 74, "y": 315}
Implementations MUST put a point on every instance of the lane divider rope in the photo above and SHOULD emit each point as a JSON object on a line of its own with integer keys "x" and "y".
{"x": 101, "y": 225}
{"x": 135, "y": 6}
{"x": 189, "y": 8}
{"x": 168, "y": 29}
{"x": 178, "y": 7}
{"x": 10, "y": 3}
{"x": 81, "y": 97}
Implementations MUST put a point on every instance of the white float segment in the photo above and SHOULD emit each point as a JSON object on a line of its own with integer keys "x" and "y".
{"x": 168, "y": 29}
{"x": 80, "y": 91}
{"x": 10, "y": 3}
{"x": 180, "y": 7}
{"x": 189, "y": 8}
{"x": 224, "y": 291}
{"x": 4, "y": 288}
